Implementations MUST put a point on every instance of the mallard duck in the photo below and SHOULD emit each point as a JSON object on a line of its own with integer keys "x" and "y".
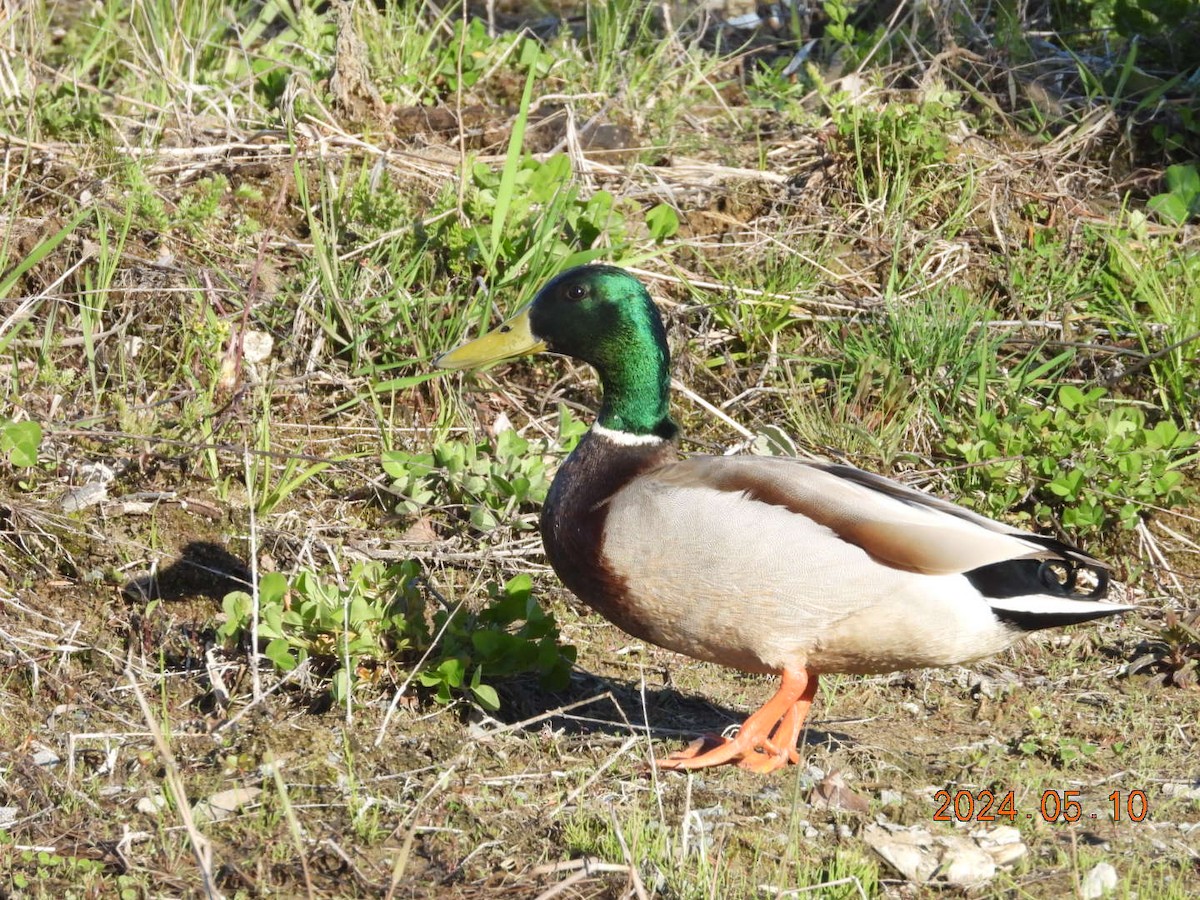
{"x": 766, "y": 564}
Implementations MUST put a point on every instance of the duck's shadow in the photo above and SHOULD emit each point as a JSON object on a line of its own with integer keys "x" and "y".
{"x": 592, "y": 704}
{"x": 202, "y": 569}
{"x": 597, "y": 705}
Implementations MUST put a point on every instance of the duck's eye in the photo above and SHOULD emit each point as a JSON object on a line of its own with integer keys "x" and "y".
{"x": 577, "y": 292}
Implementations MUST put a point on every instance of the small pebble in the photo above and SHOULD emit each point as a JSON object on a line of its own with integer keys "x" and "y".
{"x": 44, "y": 756}
{"x": 1101, "y": 880}
{"x": 151, "y": 806}
{"x": 257, "y": 346}
{"x": 1186, "y": 790}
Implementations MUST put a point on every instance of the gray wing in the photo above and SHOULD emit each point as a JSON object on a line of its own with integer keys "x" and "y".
{"x": 895, "y": 525}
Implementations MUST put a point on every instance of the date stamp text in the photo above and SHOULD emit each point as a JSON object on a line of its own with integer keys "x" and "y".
{"x": 1055, "y": 806}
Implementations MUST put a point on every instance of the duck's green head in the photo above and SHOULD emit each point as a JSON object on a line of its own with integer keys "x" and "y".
{"x": 603, "y": 316}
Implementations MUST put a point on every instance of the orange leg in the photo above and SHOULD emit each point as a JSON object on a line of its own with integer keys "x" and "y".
{"x": 766, "y": 740}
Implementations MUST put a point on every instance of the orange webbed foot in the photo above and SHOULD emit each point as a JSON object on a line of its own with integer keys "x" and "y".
{"x": 767, "y": 739}
{"x": 701, "y": 745}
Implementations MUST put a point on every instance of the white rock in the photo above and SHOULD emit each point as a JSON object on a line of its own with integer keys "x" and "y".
{"x": 966, "y": 864}
{"x": 1003, "y": 843}
{"x": 912, "y": 862}
{"x": 1184, "y": 789}
{"x": 152, "y": 805}
{"x": 890, "y": 798}
{"x": 1000, "y": 835}
{"x": 97, "y": 473}
{"x": 257, "y": 346}
{"x": 84, "y": 496}
{"x": 501, "y": 424}
{"x": 45, "y": 756}
{"x": 909, "y": 852}
{"x": 1007, "y": 854}
{"x": 1101, "y": 880}
{"x": 950, "y": 859}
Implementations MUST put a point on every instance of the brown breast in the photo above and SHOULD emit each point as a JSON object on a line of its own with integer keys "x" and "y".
{"x": 574, "y": 515}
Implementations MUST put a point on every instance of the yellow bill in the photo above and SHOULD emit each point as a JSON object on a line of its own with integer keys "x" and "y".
{"x": 513, "y": 338}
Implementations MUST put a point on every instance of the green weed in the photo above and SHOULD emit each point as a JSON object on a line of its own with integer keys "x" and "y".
{"x": 840, "y": 32}
{"x": 30, "y": 867}
{"x": 1042, "y": 739}
{"x": 354, "y": 631}
{"x": 1181, "y": 200}
{"x": 526, "y": 221}
{"x": 27, "y": 308}
{"x": 613, "y": 28}
{"x": 867, "y": 384}
{"x": 504, "y": 482}
{"x": 347, "y": 630}
{"x": 423, "y": 59}
{"x": 896, "y": 148}
{"x": 199, "y": 206}
{"x": 272, "y": 476}
{"x": 511, "y": 635}
{"x": 1082, "y": 461}
{"x": 1153, "y": 296}
{"x": 20, "y": 442}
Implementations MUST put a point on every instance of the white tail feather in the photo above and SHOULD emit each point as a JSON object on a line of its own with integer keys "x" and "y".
{"x": 1047, "y": 605}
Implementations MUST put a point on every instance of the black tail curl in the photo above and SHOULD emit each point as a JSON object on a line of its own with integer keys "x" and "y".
{"x": 1061, "y": 576}
{"x": 1058, "y": 577}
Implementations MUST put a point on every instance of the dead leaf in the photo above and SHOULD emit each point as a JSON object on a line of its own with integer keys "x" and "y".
{"x": 224, "y": 804}
{"x": 420, "y": 532}
{"x": 834, "y": 793}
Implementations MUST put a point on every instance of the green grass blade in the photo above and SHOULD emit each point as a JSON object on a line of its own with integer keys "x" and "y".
{"x": 512, "y": 159}
{"x": 39, "y": 253}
